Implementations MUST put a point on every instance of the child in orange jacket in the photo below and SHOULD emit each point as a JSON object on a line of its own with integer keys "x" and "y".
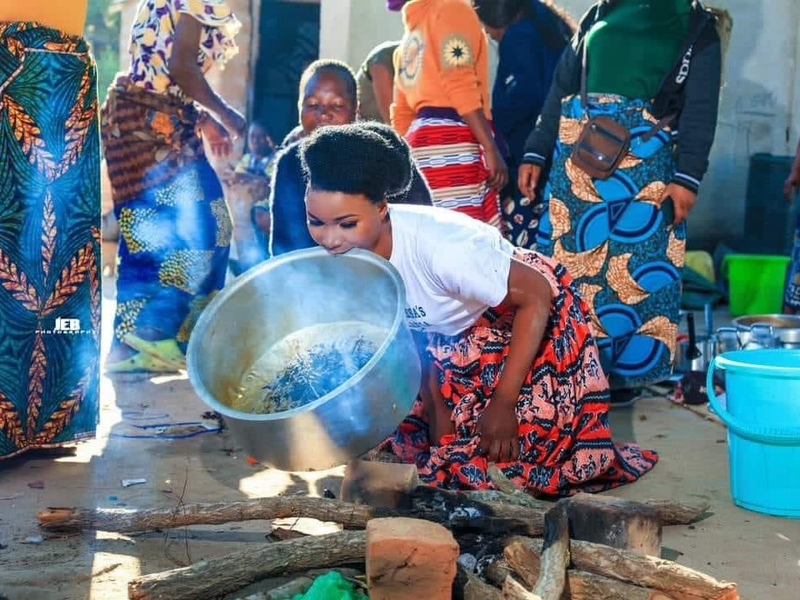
{"x": 441, "y": 106}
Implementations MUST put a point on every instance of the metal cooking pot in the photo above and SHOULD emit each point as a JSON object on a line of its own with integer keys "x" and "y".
{"x": 760, "y": 331}
{"x": 785, "y": 328}
{"x": 284, "y": 295}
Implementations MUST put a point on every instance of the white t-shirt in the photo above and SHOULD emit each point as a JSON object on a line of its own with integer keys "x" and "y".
{"x": 453, "y": 267}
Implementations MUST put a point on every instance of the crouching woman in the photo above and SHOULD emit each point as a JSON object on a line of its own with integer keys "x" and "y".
{"x": 511, "y": 372}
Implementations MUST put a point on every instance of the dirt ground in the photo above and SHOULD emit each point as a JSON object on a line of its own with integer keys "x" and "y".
{"x": 761, "y": 553}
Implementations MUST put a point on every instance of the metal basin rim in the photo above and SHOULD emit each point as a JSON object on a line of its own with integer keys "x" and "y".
{"x": 203, "y": 323}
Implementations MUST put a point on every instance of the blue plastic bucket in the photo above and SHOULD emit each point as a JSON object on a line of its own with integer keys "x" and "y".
{"x": 762, "y": 413}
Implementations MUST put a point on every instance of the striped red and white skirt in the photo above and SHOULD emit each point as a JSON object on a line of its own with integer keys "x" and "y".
{"x": 451, "y": 160}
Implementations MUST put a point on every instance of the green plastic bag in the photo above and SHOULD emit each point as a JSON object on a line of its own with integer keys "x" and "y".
{"x": 332, "y": 586}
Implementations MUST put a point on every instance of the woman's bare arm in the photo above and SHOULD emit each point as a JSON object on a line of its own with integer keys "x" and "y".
{"x": 186, "y": 73}
{"x": 383, "y": 86}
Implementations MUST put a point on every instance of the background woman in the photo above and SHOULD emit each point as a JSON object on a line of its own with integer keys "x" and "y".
{"x": 791, "y": 297}
{"x": 49, "y": 227}
{"x": 376, "y": 83}
{"x": 328, "y": 98}
{"x": 531, "y": 35}
{"x": 511, "y": 371}
{"x": 654, "y": 67}
{"x": 174, "y": 223}
{"x": 441, "y": 106}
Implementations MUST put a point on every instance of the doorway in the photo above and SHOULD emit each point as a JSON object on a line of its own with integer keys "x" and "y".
{"x": 288, "y": 43}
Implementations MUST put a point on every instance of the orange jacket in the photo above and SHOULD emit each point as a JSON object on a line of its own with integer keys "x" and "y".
{"x": 442, "y": 61}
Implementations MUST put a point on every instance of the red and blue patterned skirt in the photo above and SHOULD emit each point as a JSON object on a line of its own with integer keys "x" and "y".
{"x": 562, "y": 411}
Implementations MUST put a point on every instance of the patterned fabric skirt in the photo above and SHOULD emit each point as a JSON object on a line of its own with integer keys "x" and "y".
{"x": 565, "y": 440}
{"x": 520, "y": 216}
{"x": 175, "y": 227}
{"x": 49, "y": 239}
{"x": 791, "y": 296}
{"x": 451, "y": 160}
{"x": 617, "y": 242}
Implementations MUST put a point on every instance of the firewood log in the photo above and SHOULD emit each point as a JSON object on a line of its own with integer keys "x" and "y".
{"x": 555, "y": 553}
{"x": 678, "y": 513}
{"x": 454, "y": 509}
{"x": 523, "y": 559}
{"x": 673, "y": 579}
{"x": 503, "y": 483}
{"x": 351, "y": 516}
{"x": 219, "y": 576}
{"x": 615, "y": 522}
{"x": 465, "y": 510}
{"x": 514, "y": 590}
{"x": 497, "y": 571}
{"x": 469, "y": 586}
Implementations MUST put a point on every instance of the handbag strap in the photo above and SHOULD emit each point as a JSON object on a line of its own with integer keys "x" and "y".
{"x": 657, "y": 127}
{"x": 584, "y": 76}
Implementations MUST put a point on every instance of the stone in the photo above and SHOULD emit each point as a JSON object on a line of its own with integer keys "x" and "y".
{"x": 615, "y": 522}
{"x": 380, "y": 484}
{"x": 410, "y": 559}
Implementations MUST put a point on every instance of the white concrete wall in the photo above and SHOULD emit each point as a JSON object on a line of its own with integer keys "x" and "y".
{"x": 759, "y": 111}
{"x": 349, "y": 29}
{"x": 127, "y": 16}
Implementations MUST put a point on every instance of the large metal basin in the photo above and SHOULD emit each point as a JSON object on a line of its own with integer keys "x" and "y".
{"x": 279, "y": 297}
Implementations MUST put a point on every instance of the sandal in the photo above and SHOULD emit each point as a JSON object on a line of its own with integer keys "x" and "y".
{"x": 165, "y": 351}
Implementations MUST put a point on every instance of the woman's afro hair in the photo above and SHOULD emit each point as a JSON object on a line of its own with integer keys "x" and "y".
{"x": 363, "y": 158}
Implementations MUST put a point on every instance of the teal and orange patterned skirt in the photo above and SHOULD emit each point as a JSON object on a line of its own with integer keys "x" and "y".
{"x": 175, "y": 227}
{"x": 617, "y": 242}
{"x": 49, "y": 239}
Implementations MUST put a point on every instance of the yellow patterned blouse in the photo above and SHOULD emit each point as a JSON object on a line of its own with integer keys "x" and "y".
{"x": 65, "y": 15}
{"x": 153, "y": 34}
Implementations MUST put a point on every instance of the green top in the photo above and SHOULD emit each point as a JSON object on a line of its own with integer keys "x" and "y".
{"x": 633, "y": 48}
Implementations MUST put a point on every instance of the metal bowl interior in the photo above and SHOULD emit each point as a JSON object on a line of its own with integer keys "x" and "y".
{"x": 280, "y": 297}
